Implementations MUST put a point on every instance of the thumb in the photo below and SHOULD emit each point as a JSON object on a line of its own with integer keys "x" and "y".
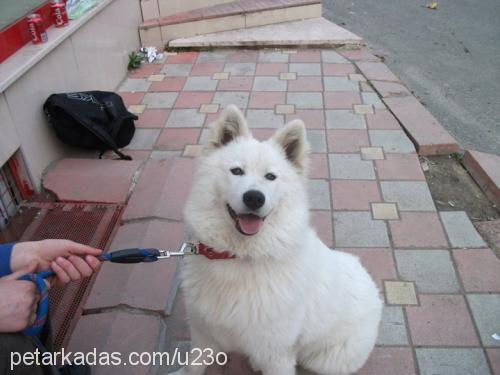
{"x": 31, "y": 267}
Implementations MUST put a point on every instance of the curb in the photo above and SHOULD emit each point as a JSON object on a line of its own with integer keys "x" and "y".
{"x": 485, "y": 169}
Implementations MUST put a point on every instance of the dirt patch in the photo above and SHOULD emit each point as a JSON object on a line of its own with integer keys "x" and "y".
{"x": 453, "y": 189}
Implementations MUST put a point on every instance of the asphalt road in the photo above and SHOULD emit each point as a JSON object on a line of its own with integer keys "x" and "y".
{"x": 449, "y": 57}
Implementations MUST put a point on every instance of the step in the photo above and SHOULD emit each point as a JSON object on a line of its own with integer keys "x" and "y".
{"x": 485, "y": 169}
{"x": 223, "y": 17}
{"x": 310, "y": 32}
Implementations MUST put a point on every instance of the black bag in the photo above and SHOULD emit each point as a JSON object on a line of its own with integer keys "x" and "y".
{"x": 92, "y": 119}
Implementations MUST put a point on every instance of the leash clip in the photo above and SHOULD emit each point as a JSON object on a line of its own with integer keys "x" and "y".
{"x": 187, "y": 248}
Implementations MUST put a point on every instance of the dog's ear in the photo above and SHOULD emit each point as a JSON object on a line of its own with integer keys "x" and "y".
{"x": 292, "y": 138}
{"x": 229, "y": 126}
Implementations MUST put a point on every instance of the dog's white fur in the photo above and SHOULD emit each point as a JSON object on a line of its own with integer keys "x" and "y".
{"x": 287, "y": 298}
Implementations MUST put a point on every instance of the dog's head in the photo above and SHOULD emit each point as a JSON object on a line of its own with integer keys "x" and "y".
{"x": 246, "y": 187}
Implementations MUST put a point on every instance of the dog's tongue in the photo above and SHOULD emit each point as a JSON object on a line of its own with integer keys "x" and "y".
{"x": 249, "y": 224}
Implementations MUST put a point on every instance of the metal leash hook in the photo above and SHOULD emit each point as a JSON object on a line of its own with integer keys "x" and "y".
{"x": 187, "y": 248}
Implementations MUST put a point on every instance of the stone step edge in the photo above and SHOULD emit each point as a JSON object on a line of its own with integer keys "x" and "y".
{"x": 480, "y": 174}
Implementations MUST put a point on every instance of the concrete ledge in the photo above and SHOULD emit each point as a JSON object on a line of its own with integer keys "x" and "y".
{"x": 485, "y": 169}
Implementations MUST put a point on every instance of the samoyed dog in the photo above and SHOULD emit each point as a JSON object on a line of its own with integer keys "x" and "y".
{"x": 282, "y": 298}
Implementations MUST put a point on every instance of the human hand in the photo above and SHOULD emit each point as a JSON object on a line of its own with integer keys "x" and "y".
{"x": 69, "y": 260}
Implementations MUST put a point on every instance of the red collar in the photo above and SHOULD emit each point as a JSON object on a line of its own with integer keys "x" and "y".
{"x": 213, "y": 254}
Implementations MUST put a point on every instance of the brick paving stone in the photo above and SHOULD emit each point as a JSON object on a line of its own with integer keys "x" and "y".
{"x": 451, "y": 361}
{"x": 340, "y": 84}
{"x": 287, "y": 76}
{"x": 321, "y": 221}
{"x": 392, "y": 329}
{"x": 354, "y": 194}
{"x": 400, "y": 293}
{"x": 156, "y": 77}
{"x": 363, "y": 109}
{"x": 159, "y": 99}
{"x": 209, "y": 108}
{"x": 361, "y": 54}
{"x": 240, "y": 69}
{"x": 206, "y": 69}
{"x": 372, "y": 99}
{"x": 319, "y": 194}
{"x": 376, "y": 71}
{"x": 177, "y": 139}
{"x": 330, "y": 56}
{"x": 342, "y": 140}
{"x": 130, "y": 98}
{"x": 284, "y": 109}
{"x": 316, "y": 139}
{"x": 264, "y": 118}
{"x": 485, "y": 308}
{"x": 365, "y": 87}
{"x": 168, "y": 84}
{"x": 409, "y": 230}
{"x": 144, "y": 139}
{"x": 185, "y": 118}
{"x": 431, "y": 270}
{"x": 243, "y": 56}
{"x": 164, "y": 155}
{"x": 268, "y": 84}
{"x": 313, "y": 118}
{"x": 305, "y": 84}
{"x": 382, "y": 120}
{"x": 212, "y": 56}
{"x": 460, "y": 230}
{"x": 306, "y": 55}
{"x": 441, "y": 320}
{"x": 318, "y": 166}
{"x": 341, "y": 99}
{"x": 389, "y": 89}
{"x": 479, "y": 270}
{"x": 144, "y": 71}
{"x": 136, "y": 108}
{"x": 262, "y": 134}
{"x": 372, "y": 153}
{"x": 378, "y": 262}
{"x": 272, "y": 57}
{"x": 389, "y": 361}
{"x": 350, "y": 167}
{"x": 409, "y": 195}
{"x": 200, "y": 83}
{"x": 177, "y": 70}
{"x": 344, "y": 119}
{"x": 494, "y": 356}
{"x": 204, "y": 136}
{"x": 384, "y": 211}
{"x": 193, "y": 99}
{"x": 305, "y": 69}
{"x": 357, "y": 229}
{"x": 266, "y": 100}
{"x": 338, "y": 69}
{"x": 220, "y": 76}
{"x": 238, "y": 98}
{"x": 400, "y": 167}
{"x": 305, "y": 100}
{"x": 357, "y": 77}
{"x": 134, "y": 85}
{"x": 392, "y": 141}
{"x": 153, "y": 118}
{"x": 236, "y": 84}
{"x": 273, "y": 69}
{"x": 183, "y": 58}
{"x": 192, "y": 151}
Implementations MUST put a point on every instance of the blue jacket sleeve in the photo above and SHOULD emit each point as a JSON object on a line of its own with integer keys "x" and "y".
{"x": 5, "y": 252}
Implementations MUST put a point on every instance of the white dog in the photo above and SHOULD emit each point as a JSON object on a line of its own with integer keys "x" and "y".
{"x": 284, "y": 298}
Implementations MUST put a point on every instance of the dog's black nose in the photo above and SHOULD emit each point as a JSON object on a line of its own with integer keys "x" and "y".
{"x": 254, "y": 199}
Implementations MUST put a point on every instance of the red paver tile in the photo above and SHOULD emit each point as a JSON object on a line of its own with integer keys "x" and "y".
{"x": 244, "y": 56}
{"x": 118, "y": 332}
{"x": 193, "y": 99}
{"x": 389, "y": 361}
{"x": 382, "y": 119}
{"x": 342, "y": 140}
{"x": 130, "y": 98}
{"x": 267, "y": 99}
{"x": 82, "y": 180}
{"x": 262, "y": 134}
{"x": 153, "y": 118}
{"x": 143, "y": 285}
{"x": 306, "y": 56}
{"x": 177, "y": 139}
{"x": 134, "y": 154}
{"x": 441, "y": 320}
{"x": 321, "y": 221}
{"x": 145, "y": 71}
{"x": 479, "y": 270}
{"x": 306, "y": 84}
{"x": 358, "y": 55}
{"x": 318, "y": 166}
{"x": 485, "y": 169}
{"x": 162, "y": 190}
{"x": 430, "y": 136}
{"x": 313, "y": 118}
{"x": 389, "y": 89}
{"x": 338, "y": 69}
{"x": 418, "y": 230}
{"x": 341, "y": 99}
{"x": 376, "y": 71}
{"x": 236, "y": 83}
{"x": 354, "y": 194}
{"x": 183, "y": 58}
{"x": 400, "y": 167}
{"x": 271, "y": 69}
{"x": 378, "y": 262}
{"x": 206, "y": 69}
{"x": 494, "y": 357}
{"x": 168, "y": 84}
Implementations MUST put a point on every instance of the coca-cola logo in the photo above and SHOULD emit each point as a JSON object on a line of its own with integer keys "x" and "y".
{"x": 32, "y": 30}
{"x": 58, "y": 16}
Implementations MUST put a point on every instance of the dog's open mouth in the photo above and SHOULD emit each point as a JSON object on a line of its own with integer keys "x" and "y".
{"x": 247, "y": 224}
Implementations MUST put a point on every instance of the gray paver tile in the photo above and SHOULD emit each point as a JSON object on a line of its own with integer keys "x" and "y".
{"x": 238, "y": 98}
{"x": 264, "y": 118}
{"x": 340, "y": 84}
{"x": 357, "y": 229}
{"x": 350, "y": 167}
{"x": 163, "y": 155}
{"x": 460, "y": 230}
{"x": 134, "y": 84}
{"x": 319, "y": 194}
{"x": 212, "y": 56}
{"x": 202, "y": 83}
{"x": 431, "y": 270}
{"x": 177, "y": 70}
{"x": 409, "y": 195}
{"x": 240, "y": 69}
{"x": 269, "y": 84}
{"x": 185, "y": 118}
{"x": 392, "y": 329}
{"x": 305, "y": 100}
{"x": 392, "y": 141}
{"x": 160, "y": 99}
{"x": 444, "y": 361}
{"x": 317, "y": 140}
{"x": 486, "y": 313}
{"x": 344, "y": 119}
{"x": 273, "y": 57}
{"x": 330, "y": 56}
{"x": 306, "y": 69}
{"x": 204, "y": 136}
{"x": 144, "y": 139}
{"x": 373, "y": 99}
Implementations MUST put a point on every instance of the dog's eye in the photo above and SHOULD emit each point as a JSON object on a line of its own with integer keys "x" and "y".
{"x": 270, "y": 176}
{"x": 237, "y": 171}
